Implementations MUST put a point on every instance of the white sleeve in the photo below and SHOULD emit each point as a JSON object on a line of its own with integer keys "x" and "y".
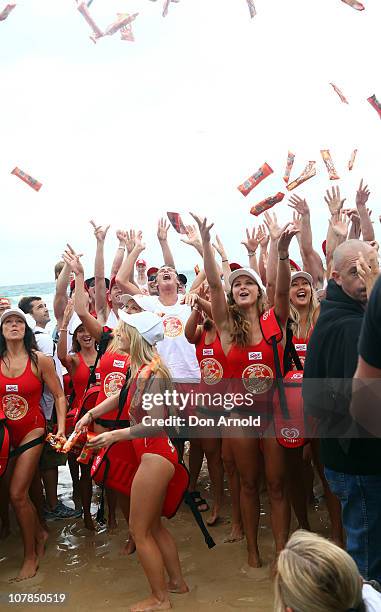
{"x": 45, "y": 344}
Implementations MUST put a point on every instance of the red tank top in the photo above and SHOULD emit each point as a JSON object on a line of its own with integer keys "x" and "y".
{"x": 80, "y": 380}
{"x": 20, "y": 400}
{"x": 301, "y": 346}
{"x": 212, "y": 360}
{"x": 113, "y": 368}
{"x": 253, "y": 369}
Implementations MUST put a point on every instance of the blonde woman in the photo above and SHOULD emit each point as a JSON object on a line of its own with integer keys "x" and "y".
{"x": 315, "y": 575}
{"x": 156, "y": 456}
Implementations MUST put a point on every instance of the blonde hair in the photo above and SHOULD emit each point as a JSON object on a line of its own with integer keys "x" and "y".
{"x": 114, "y": 346}
{"x": 241, "y": 326}
{"x": 315, "y": 575}
{"x": 295, "y": 316}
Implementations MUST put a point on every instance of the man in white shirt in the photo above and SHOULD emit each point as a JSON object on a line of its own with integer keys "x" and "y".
{"x": 50, "y": 460}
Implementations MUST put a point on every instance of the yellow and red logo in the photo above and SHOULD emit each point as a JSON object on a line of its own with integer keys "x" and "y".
{"x": 173, "y": 327}
{"x": 113, "y": 383}
{"x": 15, "y": 407}
{"x": 257, "y": 378}
{"x": 211, "y": 371}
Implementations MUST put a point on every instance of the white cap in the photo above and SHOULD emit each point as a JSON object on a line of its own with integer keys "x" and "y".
{"x": 17, "y": 311}
{"x": 74, "y": 323}
{"x": 247, "y": 272}
{"x": 302, "y": 274}
{"x": 149, "y": 325}
{"x": 143, "y": 301}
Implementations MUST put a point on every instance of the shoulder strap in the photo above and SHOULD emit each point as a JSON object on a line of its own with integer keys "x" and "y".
{"x": 270, "y": 326}
{"x": 102, "y": 347}
{"x": 123, "y": 394}
{"x": 290, "y": 354}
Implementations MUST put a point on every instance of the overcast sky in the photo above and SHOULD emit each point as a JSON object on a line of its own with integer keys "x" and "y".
{"x": 123, "y": 132}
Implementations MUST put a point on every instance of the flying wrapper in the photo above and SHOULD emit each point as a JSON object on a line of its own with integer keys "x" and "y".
{"x": 259, "y": 208}
{"x": 354, "y": 4}
{"x": 352, "y": 160}
{"x": 308, "y": 172}
{"x": 289, "y": 164}
{"x": 375, "y": 103}
{"x": 6, "y": 10}
{"x": 250, "y": 4}
{"x": 97, "y": 32}
{"x": 177, "y": 222}
{"x": 326, "y": 155}
{"x": 263, "y": 172}
{"x": 27, "y": 179}
{"x": 339, "y": 93}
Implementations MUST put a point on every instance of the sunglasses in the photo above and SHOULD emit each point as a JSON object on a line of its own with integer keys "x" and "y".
{"x": 152, "y": 278}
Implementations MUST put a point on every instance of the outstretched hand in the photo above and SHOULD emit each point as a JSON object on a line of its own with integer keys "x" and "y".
{"x": 362, "y": 196}
{"x": 162, "y": 229}
{"x": 100, "y": 231}
{"x": 71, "y": 258}
{"x": 203, "y": 227}
{"x": 288, "y": 232}
{"x": 299, "y": 205}
{"x": 334, "y": 201}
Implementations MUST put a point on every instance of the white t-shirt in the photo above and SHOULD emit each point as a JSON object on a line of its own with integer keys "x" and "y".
{"x": 112, "y": 320}
{"x": 372, "y": 598}
{"x": 177, "y": 353}
{"x": 45, "y": 344}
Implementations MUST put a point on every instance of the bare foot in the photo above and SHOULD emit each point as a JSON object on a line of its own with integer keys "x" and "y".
{"x": 41, "y": 544}
{"x": 150, "y": 605}
{"x": 28, "y": 570}
{"x": 4, "y": 531}
{"x": 274, "y": 567}
{"x": 236, "y": 534}
{"x": 111, "y": 523}
{"x": 178, "y": 587}
{"x": 254, "y": 560}
{"x": 214, "y": 517}
{"x": 129, "y": 547}
{"x": 89, "y": 523}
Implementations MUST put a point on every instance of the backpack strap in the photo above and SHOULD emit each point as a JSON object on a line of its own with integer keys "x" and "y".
{"x": 273, "y": 334}
{"x": 102, "y": 347}
{"x": 290, "y": 354}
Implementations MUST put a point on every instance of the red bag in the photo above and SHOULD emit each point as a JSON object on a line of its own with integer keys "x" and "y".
{"x": 115, "y": 467}
{"x": 4, "y": 443}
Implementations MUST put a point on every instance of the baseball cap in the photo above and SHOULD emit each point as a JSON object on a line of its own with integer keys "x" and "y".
{"x": 91, "y": 281}
{"x": 182, "y": 278}
{"x": 4, "y": 301}
{"x": 302, "y": 274}
{"x": 235, "y": 266}
{"x": 143, "y": 301}
{"x": 72, "y": 286}
{"x": 247, "y": 272}
{"x": 74, "y": 323}
{"x": 149, "y": 325}
{"x": 152, "y": 271}
{"x": 140, "y": 262}
{"x": 294, "y": 265}
{"x": 17, "y": 311}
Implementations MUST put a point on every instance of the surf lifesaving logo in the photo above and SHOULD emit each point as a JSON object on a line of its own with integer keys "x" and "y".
{"x": 257, "y": 378}
{"x": 113, "y": 383}
{"x": 211, "y": 371}
{"x": 173, "y": 327}
{"x": 15, "y": 407}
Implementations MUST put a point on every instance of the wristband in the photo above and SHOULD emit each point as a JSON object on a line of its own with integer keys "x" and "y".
{"x": 224, "y": 260}
{"x": 121, "y": 248}
{"x": 251, "y": 253}
{"x": 63, "y": 329}
{"x": 283, "y": 258}
{"x": 91, "y": 416}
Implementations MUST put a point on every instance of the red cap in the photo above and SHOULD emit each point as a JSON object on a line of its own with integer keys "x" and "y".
{"x": 324, "y": 247}
{"x": 112, "y": 282}
{"x": 140, "y": 262}
{"x": 152, "y": 271}
{"x": 235, "y": 266}
{"x": 294, "y": 265}
{"x": 72, "y": 286}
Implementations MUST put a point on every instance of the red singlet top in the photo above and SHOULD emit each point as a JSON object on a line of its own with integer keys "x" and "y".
{"x": 80, "y": 380}
{"x": 254, "y": 366}
{"x": 113, "y": 368}
{"x": 301, "y": 346}
{"x": 212, "y": 360}
{"x": 20, "y": 400}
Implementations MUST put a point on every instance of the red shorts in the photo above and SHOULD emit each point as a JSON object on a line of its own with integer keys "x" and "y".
{"x": 18, "y": 429}
{"x": 155, "y": 446}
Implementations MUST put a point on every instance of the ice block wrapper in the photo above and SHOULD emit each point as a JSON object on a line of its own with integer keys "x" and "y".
{"x": 55, "y": 442}
{"x": 123, "y": 20}
{"x": 352, "y": 160}
{"x": 89, "y": 2}
{"x": 87, "y": 452}
{"x": 263, "y": 172}
{"x": 259, "y": 208}
{"x": 289, "y": 164}
{"x": 177, "y": 222}
{"x": 354, "y": 4}
{"x": 72, "y": 440}
{"x": 375, "y": 103}
{"x": 339, "y": 93}
{"x": 308, "y": 172}
{"x": 82, "y": 8}
{"x": 6, "y": 10}
{"x": 126, "y": 33}
{"x": 326, "y": 155}
{"x": 27, "y": 179}
{"x": 251, "y": 6}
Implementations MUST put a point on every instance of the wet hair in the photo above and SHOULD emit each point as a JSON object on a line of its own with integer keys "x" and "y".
{"x": 30, "y": 344}
{"x": 26, "y": 303}
{"x": 241, "y": 326}
{"x": 58, "y": 269}
{"x": 315, "y": 575}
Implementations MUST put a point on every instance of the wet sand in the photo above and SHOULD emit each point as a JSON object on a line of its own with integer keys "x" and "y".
{"x": 95, "y": 576}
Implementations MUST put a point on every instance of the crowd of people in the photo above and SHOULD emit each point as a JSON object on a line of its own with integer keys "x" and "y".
{"x": 134, "y": 368}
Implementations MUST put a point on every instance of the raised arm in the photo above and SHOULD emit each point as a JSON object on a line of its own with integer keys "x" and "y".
{"x": 251, "y": 243}
{"x": 263, "y": 238}
{"x": 61, "y": 297}
{"x": 193, "y": 239}
{"x": 362, "y": 196}
{"x": 123, "y": 278}
{"x": 219, "y": 247}
{"x": 335, "y": 204}
{"x": 193, "y": 327}
{"x": 62, "y": 354}
{"x": 220, "y": 309}
{"x": 312, "y": 262}
{"x": 282, "y": 292}
{"x": 275, "y": 231}
{"x": 101, "y": 306}
{"x": 162, "y": 236}
{"x": 119, "y": 254}
{"x": 355, "y": 229}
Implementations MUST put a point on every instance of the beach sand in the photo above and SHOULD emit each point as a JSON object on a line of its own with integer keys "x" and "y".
{"x": 95, "y": 576}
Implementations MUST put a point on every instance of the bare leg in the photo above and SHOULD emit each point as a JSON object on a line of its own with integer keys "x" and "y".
{"x": 212, "y": 450}
{"x": 86, "y": 490}
{"x": 280, "y": 508}
{"x": 147, "y": 497}
{"x": 124, "y": 504}
{"x": 246, "y": 456}
{"x": 230, "y": 467}
{"x": 50, "y": 480}
{"x": 295, "y": 484}
{"x": 25, "y": 468}
{"x": 168, "y": 549}
{"x": 74, "y": 472}
{"x": 5, "y": 529}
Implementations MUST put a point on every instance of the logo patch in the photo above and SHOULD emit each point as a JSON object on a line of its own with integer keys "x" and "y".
{"x": 211, "y": 371}
{"x": 300, "y": 347}
{"x": 257, "y": 378}
{"x": 255, "y": 356}
{"x": 113, "y": 383}
{"x": 173, "y": 327}
{"x": 118, "y": 363}
{"x": 290, "y": 433}
{"x": 13, "y": 388}
{"x": 207, "y": 351}
{"x": 15, "y": 407}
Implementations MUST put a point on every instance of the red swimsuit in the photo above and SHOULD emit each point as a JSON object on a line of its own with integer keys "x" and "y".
{"x": 20, "y": 400}
{"x": 113, "y": 368}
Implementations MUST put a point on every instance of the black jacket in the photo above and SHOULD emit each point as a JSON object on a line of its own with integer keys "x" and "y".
{"x": 329, "y": 368}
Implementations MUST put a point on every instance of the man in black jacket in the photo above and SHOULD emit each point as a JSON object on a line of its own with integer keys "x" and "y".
{"x": 352, "y": 462}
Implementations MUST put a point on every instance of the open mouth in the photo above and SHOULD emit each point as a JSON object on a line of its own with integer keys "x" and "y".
{"x": 166, "y": 276}
{"x": 301, "y": 294}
